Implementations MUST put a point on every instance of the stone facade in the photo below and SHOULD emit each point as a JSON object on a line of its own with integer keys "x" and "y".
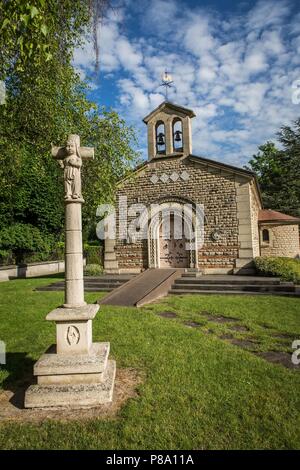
{"x": 283, "y": 240}
{"x": 213, "y": 188}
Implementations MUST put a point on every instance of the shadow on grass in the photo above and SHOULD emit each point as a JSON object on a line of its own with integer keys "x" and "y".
{"x": 50, "y": 276}
{"x": 20, "y": 369}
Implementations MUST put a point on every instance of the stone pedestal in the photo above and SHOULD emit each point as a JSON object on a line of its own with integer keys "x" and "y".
{"x": 110, "y": 259}
{"x": 75, "y": 372}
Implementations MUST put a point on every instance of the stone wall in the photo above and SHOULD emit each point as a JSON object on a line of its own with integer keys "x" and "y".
{"x": 255, "y": 208}
{"x": 31, "y": 270}
{"x": 202, "y": 184}
{"x": 284, "y": 240}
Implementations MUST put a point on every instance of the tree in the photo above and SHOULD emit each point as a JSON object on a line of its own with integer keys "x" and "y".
{"x": 289, "y": 138}
{"x": 27, "y": 28}
{"x": 278, "y": 171}
{"x": 46, "y": 100}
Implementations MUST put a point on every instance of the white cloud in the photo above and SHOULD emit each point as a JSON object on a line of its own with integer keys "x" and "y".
{"x": 255, "y": 62}
{"x": 235, "y": 71}
{"x": 198, "y": 37}
{"x": 161, "y": 17}
{"x": 268, "y": 13}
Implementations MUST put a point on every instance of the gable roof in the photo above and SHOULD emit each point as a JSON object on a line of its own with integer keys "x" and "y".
{"x": 268, "y": 215}
{"x": 173, "y": 107}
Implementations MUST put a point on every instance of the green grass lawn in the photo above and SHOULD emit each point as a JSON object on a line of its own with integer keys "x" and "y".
{"x": 199, "y": 391}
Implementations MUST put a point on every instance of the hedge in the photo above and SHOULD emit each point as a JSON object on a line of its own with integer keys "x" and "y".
{"x": 288, "y": 269}
{"x": 22, "y": 241}
{"x": 93, "y": 254}
{"x": 93, "y": 270}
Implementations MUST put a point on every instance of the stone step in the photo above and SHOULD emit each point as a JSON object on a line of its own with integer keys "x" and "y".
{"x": 218, "y": 292}
{"x": 110, "y": 277}
{"x": 233, "y": 287}
{"x": 189, "y": 275}
{"x": 86, "y": 289}
{"x": 91, "y": 284}
{"x": 112, "y": 285}
{"x": 231, "y": 281}
{"x": 192, "y": 270}
{"x": 51, "y": 363}
{"x": 103, "y": 281}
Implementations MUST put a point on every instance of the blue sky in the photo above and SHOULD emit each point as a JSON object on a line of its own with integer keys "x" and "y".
{"x": 233, "y": 63}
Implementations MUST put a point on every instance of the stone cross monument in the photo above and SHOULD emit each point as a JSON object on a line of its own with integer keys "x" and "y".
{"x": 75, "y": 372}
{"x": 71, "y": 157}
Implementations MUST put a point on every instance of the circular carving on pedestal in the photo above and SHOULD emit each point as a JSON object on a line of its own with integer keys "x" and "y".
{"x": 73, "y": 335}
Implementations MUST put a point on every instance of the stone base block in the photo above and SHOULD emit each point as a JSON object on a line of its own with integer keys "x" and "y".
{"x": 111, "y": 271}
{"x": 74, "y": 328}
{"x": 72, "y": 366}
{"x": 244, "y": 271}
{"x": 244, "y": 263}
{"x": 75, "y": 395}
{"x": 223, "y": 271}
{"x": 130, "y": 270}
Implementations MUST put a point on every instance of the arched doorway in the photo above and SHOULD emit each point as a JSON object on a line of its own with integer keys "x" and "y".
{"x": 173, "y": 251}
{"x": 184, "y": 229}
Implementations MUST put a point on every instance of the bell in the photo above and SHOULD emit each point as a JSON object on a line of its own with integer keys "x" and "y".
{"x": 177, "y": 137}
{"x": 160, "y": 139}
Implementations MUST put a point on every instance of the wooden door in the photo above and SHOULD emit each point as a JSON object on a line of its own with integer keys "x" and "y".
{"x": 173, "y": 253}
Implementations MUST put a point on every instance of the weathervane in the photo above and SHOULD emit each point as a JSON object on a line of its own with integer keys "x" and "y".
{"x": 166, "y": 81}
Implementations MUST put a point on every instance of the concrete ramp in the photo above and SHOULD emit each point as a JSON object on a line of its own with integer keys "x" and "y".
{"x": 143, "y": 288}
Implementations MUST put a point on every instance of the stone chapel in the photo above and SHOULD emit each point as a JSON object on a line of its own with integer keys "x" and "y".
{"x": 234, "y": 228}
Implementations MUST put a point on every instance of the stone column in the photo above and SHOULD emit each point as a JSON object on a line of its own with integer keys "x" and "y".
{"x": 244, "y": 263}
{"x": 187, "y": 135}
{"x": 169, "y": 136}
{"x": 74, "y": 289}
{"x": 151, "y": 141}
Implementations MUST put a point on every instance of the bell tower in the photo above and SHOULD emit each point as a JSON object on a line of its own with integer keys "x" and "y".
{"x": 169, "y": 131}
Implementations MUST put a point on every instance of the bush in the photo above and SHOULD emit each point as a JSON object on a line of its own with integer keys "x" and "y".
{"x": 287, "y": 269}
{"x": 6, "y": 257}
{"x": 24, "y": 240}
{"x": 93, "y": 254}
{"x": 93, "y": 270}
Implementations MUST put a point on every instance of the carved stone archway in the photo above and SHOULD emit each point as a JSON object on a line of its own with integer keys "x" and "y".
{"x": 193, "y": 228}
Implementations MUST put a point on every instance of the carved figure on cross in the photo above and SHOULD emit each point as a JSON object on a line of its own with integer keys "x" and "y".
{"x": 70, "y": 158}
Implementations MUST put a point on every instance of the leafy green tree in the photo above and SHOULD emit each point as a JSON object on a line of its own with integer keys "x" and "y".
{"x": 46, "y": 100}
{"x": 24, "y": 239}
{"x": 28, "y": 27}
{"x": 267, "y": 164}
{"x": 278, "y": 171}
{"x": 289, "y": 137}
